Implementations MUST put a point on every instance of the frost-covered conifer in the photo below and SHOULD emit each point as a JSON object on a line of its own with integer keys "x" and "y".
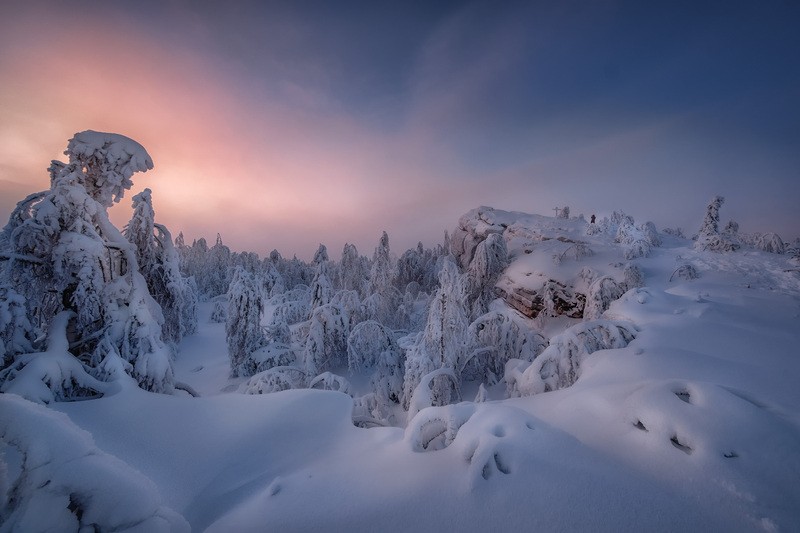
{"x": 488, "y": 262}
{"x": 243, "y": 325}
{"x": 159, "y": 264}
{"x": 351, "y": 305}
{"x": 709, "y": 236}
{"x": 216, "y": 273}
{"x": 272, "y": 280}
{"x": 326, "y": 344}
{"x": 382, "y": 272}
{"x": 353, "y": 271}
{"x": 383, "y": 299}
{"x": 321, "y": 287}
{"x": 16, "y": 331}
{"x": 443, "y": 341}
{"x": 72, "y": 258}
{"x": 320, "y": 255}
{"x": 371, "y": 347}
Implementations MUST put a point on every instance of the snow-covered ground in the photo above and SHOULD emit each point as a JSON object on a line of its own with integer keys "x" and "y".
{"x": 693, "y": 426}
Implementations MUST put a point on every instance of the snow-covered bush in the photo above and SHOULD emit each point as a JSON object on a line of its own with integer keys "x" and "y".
{"x": 602, "y": 292}
{"x": 436, "y": 388}
{"x": 494, "y": 338}
{"x": 16, "y": 331}
{"x": 637, "y": 242}
{"x": 330, "y": 381}
{"x": 275, "y": 379}
{"x": 685, "y": 271}
{"x": 219, "y": 313}
{"x": 675, "y": 232}
{"x": 633, "y": 278}
{"x": 273, "y": 354}
{"x": 578, "y": 250}
{"x": 436, "y": 428}
{"x": 559, "y": 366}
{"x": 766, "y": 242}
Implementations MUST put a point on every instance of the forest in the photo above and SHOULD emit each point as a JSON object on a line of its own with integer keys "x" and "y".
{"x": 507, "y": 306}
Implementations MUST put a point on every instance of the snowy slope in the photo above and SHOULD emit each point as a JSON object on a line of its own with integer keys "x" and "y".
{"x": 695, "y": 425}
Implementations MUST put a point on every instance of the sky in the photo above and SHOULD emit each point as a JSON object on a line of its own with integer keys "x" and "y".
{"x": 282, "y": 125}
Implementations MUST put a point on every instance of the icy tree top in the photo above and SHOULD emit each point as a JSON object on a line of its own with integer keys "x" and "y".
{"x": 109, "y": 160}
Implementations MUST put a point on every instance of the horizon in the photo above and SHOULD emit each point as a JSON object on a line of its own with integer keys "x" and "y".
{"x": 283, "y": 127}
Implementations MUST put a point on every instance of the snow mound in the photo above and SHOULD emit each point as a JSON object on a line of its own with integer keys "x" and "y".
{"x": 59, "y": 480}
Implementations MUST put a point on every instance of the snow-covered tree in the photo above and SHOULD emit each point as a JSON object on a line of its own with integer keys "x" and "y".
{"x": 382, "y": 271}
{"x": 66, "y": 255}
{"x": 16, "y": 331}
{"x": 442, "y": 343}
{"x": 216, "y": 274}
{"x": 326, "y": 344}
{"x": 321, "y": 255}
{"x": 353, "y": 271}
{"x": 160, "y": 266}
{"x": 243, "y": 325}
{"x": 417, "y": 266}
{"x": 371, "y": 348}
{"x": 488, "y": 262}
{"x": 321, "y": 286}
{"x": 272, "y": 280}
{"x": 383, "y": 299}
{"x": 709, "y": 236}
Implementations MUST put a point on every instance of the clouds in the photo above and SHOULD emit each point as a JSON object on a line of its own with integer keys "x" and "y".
{"x": 283, "y": 126}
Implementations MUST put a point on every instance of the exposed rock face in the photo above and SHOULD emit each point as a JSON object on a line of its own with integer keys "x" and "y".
{"x": 554, "y": 299}
{"x": 473, "y": 228}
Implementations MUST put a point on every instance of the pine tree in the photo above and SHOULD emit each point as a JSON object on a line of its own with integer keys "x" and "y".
{"x": 353, "y": 271}
{"x": 488, "y": 262}
{"x": 159, "y": 264}
{"x": 243, "y": 325}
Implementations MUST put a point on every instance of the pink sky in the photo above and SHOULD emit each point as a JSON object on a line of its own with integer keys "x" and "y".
{"x": 269, "y": 154}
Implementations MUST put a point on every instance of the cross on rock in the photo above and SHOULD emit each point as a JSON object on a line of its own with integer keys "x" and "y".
{"x": 556, "y": 209}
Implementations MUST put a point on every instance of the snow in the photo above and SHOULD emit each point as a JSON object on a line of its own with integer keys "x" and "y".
{"x": 691, "y": 421}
